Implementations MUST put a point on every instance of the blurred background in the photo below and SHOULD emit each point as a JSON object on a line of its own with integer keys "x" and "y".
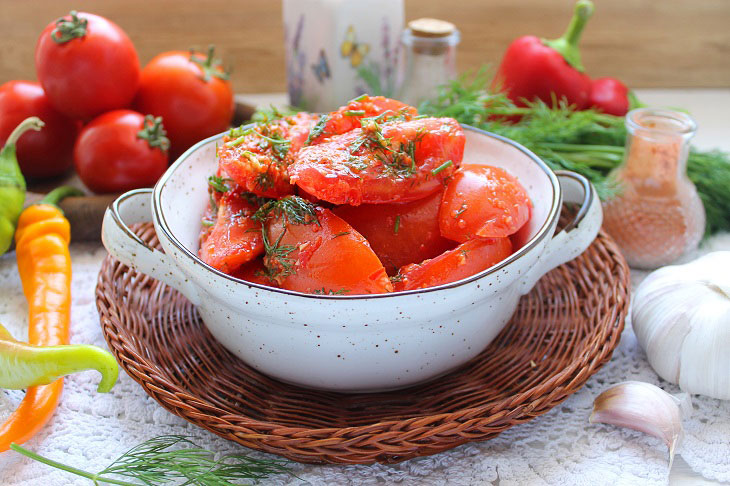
{"x": 646, "y": 43}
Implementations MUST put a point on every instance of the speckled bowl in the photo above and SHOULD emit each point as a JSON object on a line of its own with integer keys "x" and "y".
{"x": 354, "y": 342}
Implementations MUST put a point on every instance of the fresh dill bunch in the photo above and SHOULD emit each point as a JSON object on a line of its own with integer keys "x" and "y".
{"x": 587, "y": 142}
{"x": 173, "y": 459}
{"x": 710, "y": 173}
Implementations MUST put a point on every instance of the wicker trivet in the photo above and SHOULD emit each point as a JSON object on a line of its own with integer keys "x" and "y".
{"x": 561, "y": 334}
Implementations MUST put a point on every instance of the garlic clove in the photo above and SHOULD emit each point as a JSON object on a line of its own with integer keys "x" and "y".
{"x": 643, "y": 407}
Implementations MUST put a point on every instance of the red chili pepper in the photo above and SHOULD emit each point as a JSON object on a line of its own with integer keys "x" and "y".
{"x": 610, "y": 95}
{"x": 547, "y": 69}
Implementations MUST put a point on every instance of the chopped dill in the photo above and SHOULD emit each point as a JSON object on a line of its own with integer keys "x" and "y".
{"x": 219, "y": 183}
{"x": 396, "y": 227}
{"x": 398, "y": 277}
{"x": 324, "y": 291}
{"x": 264, "y": 181}
{"x": 317, "y": 129}
{"x": 359, "y": 98}
{"x": 353, "y": 112}
{"x": 280, "y": 263}
{"x": 441, "y": 167}
{"x": 294, "y": 209}
{"x": 343, "y": 233}
{"x": 460, "y": 211}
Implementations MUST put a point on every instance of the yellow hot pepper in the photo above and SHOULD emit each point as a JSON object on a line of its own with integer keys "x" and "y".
{"x": 44, "y": 264}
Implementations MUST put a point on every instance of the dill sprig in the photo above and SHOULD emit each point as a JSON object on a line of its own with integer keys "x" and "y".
{"x": 295, "y": 210}
{"x": 587, "y": 142}
{"x": 317, "y": 129}
{"x": 219, "y": 183}
{"x": 172, "y": 459}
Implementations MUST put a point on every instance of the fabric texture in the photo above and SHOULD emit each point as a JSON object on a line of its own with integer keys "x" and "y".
{"x": 89, "y": 430}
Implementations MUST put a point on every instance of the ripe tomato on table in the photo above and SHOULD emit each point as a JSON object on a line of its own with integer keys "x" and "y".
{"x": 48, "y": 152}
{"x": 191, "y": 92}
{"x": 87, "y": 65}
{"x": 121, "y": 150}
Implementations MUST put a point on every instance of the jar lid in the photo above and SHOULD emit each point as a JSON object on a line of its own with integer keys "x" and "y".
{"x": 427, "y": 27}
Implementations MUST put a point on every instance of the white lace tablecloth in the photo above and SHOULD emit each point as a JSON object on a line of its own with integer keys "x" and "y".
{"x": 89, "y": 430}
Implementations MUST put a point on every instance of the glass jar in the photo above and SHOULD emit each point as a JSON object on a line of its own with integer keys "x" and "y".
{"x": 657, "y": 216}
{"x": 429, "y": 58}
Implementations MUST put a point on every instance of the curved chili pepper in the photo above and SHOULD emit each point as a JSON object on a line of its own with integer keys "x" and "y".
{"x": 549, "y": 70}
{"x": 23, "y": 365}
{"x": 610, "y": 95}
{"x": 44, "y": 264}
{"x": 12, "y": 183}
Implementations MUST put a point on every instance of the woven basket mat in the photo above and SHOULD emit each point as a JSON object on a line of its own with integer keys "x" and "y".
{"x": 560, "y": 335}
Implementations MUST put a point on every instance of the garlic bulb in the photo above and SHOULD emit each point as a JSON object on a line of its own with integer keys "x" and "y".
{"x": 681, "y": 317}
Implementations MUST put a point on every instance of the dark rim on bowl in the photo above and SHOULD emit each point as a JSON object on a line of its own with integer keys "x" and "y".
{"x": 539, "y": 236}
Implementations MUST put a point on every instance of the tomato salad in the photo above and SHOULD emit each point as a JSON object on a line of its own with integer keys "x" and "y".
{"x": 371, "y": 198}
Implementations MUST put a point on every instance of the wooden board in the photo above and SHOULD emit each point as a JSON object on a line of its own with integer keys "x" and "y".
{"x": 648, "y": 43}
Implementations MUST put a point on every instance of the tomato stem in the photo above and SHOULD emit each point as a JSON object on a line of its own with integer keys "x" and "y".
{"x": 154, "y": 132}
{"x": 210, "y": 66}
{"x": 66, "y": 29}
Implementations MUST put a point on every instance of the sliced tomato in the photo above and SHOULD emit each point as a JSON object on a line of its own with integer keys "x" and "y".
{"x": 319, "y": 252}
{"x": 463, "y": 261}
{"x": 485, "y": 202}
{"x": 399, "y": 233}
{"x": 255, "y": 272}
{"x": 397, "y": 161}
{"x": 257, "y": 158}
{"x": 235, "y": 238}
{"x": 349, "y": 116}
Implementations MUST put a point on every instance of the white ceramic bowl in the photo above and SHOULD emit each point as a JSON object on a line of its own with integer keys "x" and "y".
{"x": 359, "y": 342}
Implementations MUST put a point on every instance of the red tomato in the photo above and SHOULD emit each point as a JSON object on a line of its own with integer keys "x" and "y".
{"x": 483, "y": 201}
{"x": 349, "y": 116}
{"x": 254, "y": 271}
{"x": 235, "y": 238}
{"x": 257, "y": 158}
{"x": 190, "y": 92}
{"x": 48, "y": 152}
{"x": 113, "y": 155}
{"x": 320, "y": 253}
{"x": 391, "y": 162}
{"x": 87, "y": 65}
{"x": 465, "y": 260}
{"x": 399, "y": 233}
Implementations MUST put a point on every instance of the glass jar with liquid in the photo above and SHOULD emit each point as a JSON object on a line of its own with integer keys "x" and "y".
{"x": 657, "y": 215}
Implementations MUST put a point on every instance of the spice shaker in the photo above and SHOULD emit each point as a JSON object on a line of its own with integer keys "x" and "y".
{"x": 657, "y": 215}
{"x": 339, "y": 49}
{"x": 428, "y": 60}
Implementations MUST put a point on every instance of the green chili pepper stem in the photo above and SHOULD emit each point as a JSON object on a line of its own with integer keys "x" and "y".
{"x": 70, "y": 469}
{"x": 12, "y": 183}
{"x": 567, "y": 44}
{"x": 23, "y": 365}
{"x": 31, "y": 123}
{"x": 55, "y": 196}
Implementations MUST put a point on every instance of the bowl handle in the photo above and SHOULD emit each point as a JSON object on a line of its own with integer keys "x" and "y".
{"x": 577, "y": 235}
{"x": 124, "y": 245}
